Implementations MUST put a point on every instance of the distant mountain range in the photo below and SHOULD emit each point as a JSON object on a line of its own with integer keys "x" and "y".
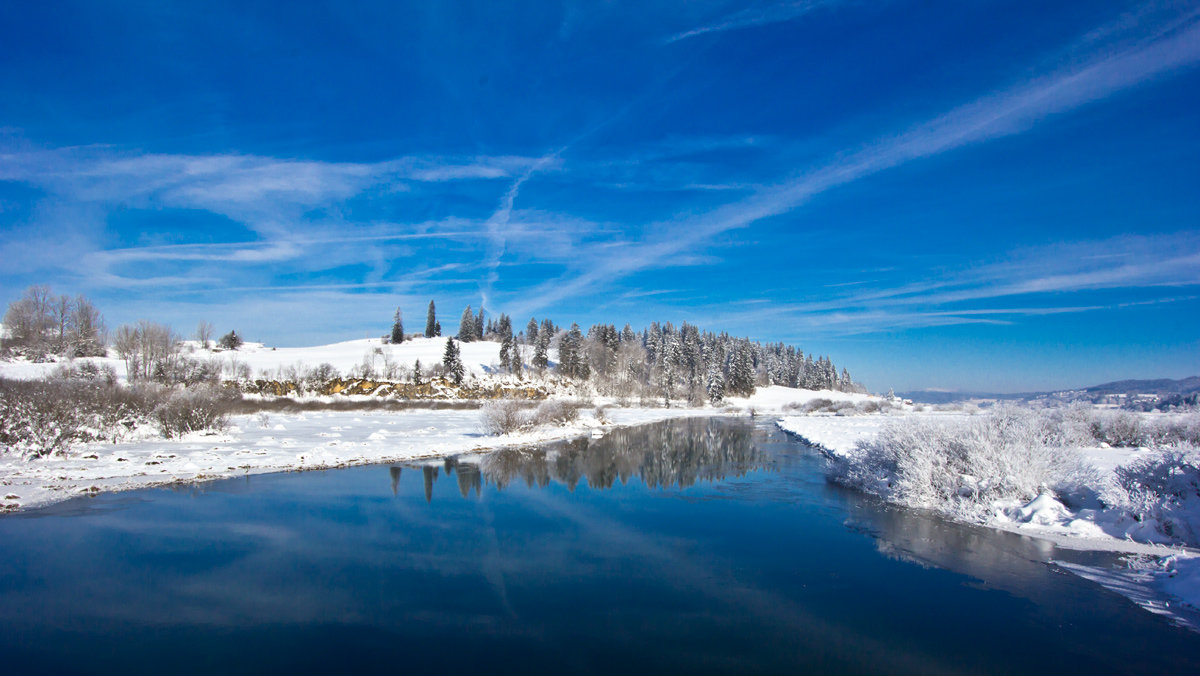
{"x": 1161, "y": 387}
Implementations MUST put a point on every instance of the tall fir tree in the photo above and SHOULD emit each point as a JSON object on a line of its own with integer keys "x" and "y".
{"x": 416, "y": 378}
{"x": 431, "y": 325}
{"x": 452, "y": 362}
{"x": 531, "y": 331}
{"x": 506, "y": 350}
{"x": 479, "y": 325}
{"x": 715, "y": 385}
{"x": 466, "y": 326}
{"x": 515, "y": 360}
{"x": 541, "y": 351}
{"x": 397, "y": 327}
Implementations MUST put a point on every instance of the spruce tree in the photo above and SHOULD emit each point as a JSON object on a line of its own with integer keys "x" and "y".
{"x": 566, "y": 356}
{"x": 397, "y": 328}
{"x": 541, "y": 352}
{"x": 715, "y": 385}
{"x": 431, "y": 325}
{"x": 417, "y": 372}
{"x": 466, "y": 326}
{"x": 506, "y": 350}
{"x": 515, "y": 364}
{"x": 452, "y": 362}
{"x": 531, "y": 331}
{"x": 479, "y": 325}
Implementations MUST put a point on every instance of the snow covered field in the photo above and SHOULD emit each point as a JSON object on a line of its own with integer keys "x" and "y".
{"x": 479, "y": 358}
{"x": 1155, "y": 574}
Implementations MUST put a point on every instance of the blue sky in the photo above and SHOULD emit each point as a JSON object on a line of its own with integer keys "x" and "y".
{"x": 982, "y": 195}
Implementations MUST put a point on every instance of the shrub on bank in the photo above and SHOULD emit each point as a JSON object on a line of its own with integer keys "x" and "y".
{"x": 43, "y": 417}
{"x": 962, "y": 468}
{"x": 504, "y": 416}
{"x": 1164, "y": 488}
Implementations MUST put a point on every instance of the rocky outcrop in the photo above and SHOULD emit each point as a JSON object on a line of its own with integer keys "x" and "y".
{"x": 438, "y": 388}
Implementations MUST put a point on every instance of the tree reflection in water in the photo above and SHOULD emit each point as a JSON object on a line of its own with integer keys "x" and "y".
{"x": 678, "y": 453}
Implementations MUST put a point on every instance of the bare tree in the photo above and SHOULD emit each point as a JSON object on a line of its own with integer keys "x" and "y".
{"x": 204, "y": 333}
{"x": 147, "y": 348}
{"x": 88, "y": 334}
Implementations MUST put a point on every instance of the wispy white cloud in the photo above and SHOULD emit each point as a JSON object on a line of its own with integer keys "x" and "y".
{"x": 753, "y": 16}
{"x": 273, "y": 198}
{"x": 1104, "y": 72}
{"x": 1045, "y": 276}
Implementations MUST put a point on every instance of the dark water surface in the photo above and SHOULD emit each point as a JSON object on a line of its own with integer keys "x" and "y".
{"x": 693, "y": 545}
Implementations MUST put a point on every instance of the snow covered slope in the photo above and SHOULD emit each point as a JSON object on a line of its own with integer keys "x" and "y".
{"x": 479, "y": 358}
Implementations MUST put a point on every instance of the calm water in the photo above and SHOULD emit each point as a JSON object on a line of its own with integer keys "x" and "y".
{"x": 698, "y": 545}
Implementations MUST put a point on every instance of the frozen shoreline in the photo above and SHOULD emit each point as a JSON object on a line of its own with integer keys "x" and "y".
{"x": 1158, "y": 575}
{"x": 282, "y": 442}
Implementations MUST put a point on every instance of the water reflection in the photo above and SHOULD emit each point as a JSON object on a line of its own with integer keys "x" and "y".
{"x": 677, "y": 454}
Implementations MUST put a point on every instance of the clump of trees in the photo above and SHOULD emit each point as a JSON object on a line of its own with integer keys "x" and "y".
{"x": 230, "y": 341}
{"x": 41, "y": 323}
{"x": 660, "y": 361}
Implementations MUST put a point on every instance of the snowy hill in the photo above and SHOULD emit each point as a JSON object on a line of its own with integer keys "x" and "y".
{"x": 479, "y": 358}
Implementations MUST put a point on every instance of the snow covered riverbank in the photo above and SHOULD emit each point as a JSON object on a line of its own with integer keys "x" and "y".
{"x": 1158, "y": 574}
{"x": 255, "y": 444}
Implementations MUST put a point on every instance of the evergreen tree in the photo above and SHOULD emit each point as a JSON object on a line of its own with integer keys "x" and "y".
{"x": 506, "y": 351}
{"x": 515, "y": 361}
{"x": 716, "y": 385}
{"x": 437, "y": 329}
{"x": 479, "y": 325}
{"x": 417, "y": 372}
{"x": 541, "y": 351}
{"x": 531, "y": 331}
{"x": 466, "y": 326}
{"x": 431, "y": 325}
{"x": 567, "y": 355}
{"x": 397, "y": 328}
{"x": 452, "y": 362}
{"x": 627, "y": 335}
{"x": 741, "y": 371}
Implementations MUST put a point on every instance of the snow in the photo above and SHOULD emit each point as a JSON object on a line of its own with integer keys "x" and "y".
{"x": 479, "y": 358}
{"x": 836, "y": 435}
{"x": 255, "y": 444}
{"x": 777, "y": 399}
{"x": 1172, "y": 575}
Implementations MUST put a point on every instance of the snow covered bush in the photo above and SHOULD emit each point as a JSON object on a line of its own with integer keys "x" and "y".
{"x": 555, "y": 412}
{"x": 1163, "y": 490}
{"x": 43, "y": 417}
{"x": 504, "y": 416}
{"x": 192, "y": 410}
{"x": 962, "y": 468}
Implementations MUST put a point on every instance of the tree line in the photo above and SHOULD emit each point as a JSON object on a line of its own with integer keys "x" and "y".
{"x": 661, "y": 359}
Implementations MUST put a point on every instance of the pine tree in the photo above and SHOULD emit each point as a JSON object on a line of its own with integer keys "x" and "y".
{"x": 466, "y": 326}
{"x": 397, "y": 328}
{"x": 452, "y": 362}
{"x": 479, "y": 325}
{"x": 566, "y": 356}
{"x": 716, "y": 385}
{"x": 515, "y": 363}
{"x": 506, "y": 350}
{"x": 531, "y": 331}
{"x": 741, "y": 371}
{"x": 541, "y": 352}
{"x": 417, "y": 372}
{"x": 431, "y": 325}
{"x": 437, "y": 329}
